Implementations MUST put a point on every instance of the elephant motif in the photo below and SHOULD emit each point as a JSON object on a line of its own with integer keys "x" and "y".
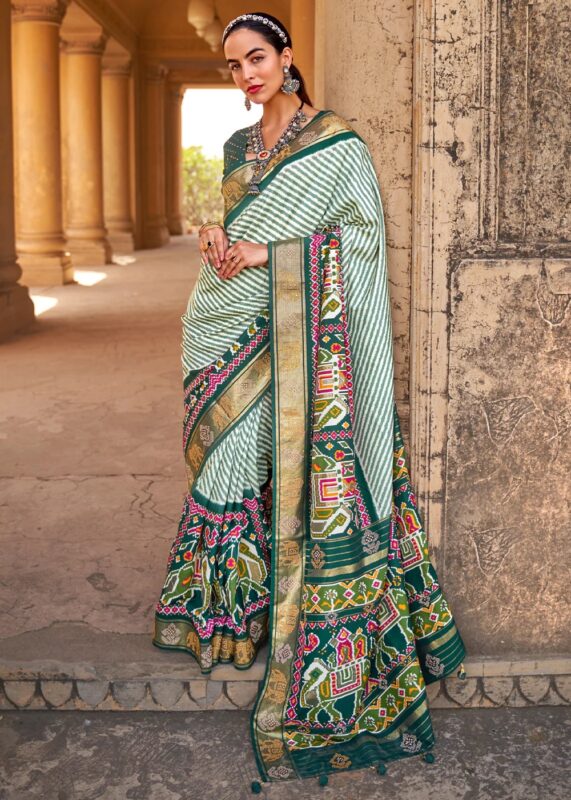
{"x": 344, "y": 674}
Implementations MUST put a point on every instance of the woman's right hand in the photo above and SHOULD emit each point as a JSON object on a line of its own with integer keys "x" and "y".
{"x": 216, "y": 253}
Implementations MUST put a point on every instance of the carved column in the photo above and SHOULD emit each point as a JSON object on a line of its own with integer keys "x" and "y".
{"x": 154, "y": 223}
{"x": 40, "y": 242}
{"x": 116, "y": 153}
{"x": 173, "y": 135}
{"x": 85, "y": 229}
{"x": 16, "y": 308}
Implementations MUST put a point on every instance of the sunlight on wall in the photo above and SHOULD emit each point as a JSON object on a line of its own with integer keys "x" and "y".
{"x": 210, "y": 116}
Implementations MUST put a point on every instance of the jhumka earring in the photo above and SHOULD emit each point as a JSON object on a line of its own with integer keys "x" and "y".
{"x": 247, "y": 103}
{"x": 290, "y": 84}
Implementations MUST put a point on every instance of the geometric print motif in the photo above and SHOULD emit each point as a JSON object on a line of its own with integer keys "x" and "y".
{"x": 216, "y": 594}
{"x": 375, "y": 627}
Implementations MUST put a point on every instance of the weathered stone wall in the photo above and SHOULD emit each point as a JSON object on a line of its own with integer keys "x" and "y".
{"x": 481, "y": 299}
{"x": 535, "y": 133}
{"x": 365, "y": 49}
{"x": 507, "y": 532}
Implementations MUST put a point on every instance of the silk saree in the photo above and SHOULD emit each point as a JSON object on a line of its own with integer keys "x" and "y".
{"x": 300, "y": 527}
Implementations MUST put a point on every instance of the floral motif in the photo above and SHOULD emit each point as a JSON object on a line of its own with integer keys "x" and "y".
{"x": 282, "y": 772}
{"x": 434, "y": 665}
{"x": 287, "y": 583}
{"x": 284, "y": 653}
{"x": 268, "y": 721}
{"x": 256, "y": 630}
{"x": 170, "y": 635}
{"x": 370, "y": 541}
{"x": 410, "y": 743}
{"x": 340, "y": 762}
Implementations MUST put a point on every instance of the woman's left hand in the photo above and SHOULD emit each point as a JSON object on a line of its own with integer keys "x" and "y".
{"x": 243, "y": 254}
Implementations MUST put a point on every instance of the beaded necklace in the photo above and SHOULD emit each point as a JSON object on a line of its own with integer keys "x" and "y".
{"x": 263, "y": 155}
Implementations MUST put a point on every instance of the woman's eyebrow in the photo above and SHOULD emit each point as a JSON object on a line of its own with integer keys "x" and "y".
{"x": 249, "y": 53}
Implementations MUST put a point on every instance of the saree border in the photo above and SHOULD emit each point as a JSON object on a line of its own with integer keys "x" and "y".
{"x": 242, "y": 135}
{"x": 326, "y": 131}
{"x": 295, "y": 300}
{"x": 290, "y": 412}
{"x": 225, "y": 411}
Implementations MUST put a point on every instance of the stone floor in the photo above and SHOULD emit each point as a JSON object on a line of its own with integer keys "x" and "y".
{"x": 92, "y": 480}
{"x": 91, "y": 467}
{"x": 492, "y": 754}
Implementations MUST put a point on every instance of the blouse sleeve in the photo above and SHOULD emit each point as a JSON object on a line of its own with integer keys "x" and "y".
{"x": 233, "y": 149}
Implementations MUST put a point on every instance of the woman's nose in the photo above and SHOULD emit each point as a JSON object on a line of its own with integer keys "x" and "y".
{"x": 249, "y": 73}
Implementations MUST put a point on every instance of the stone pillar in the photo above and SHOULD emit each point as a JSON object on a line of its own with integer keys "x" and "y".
{"x": 85, "y": 229}
{"x": 154, "y": 223}
{"x": 375, "y": 94}
{"x": 16, "y": 308}
{"x": 173, "y": 171}
{"x": 302, "y": 29}
{"x": 117, "y": 153}
{"x": 40, "y": 242}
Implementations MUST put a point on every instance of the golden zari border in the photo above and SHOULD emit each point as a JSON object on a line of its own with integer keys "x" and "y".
{"x": 236, "y": 400}
{"x": 235, "y": 186}
{"x": 290, "y": 410}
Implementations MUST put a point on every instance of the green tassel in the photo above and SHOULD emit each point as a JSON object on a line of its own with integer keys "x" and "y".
{"x": 256, "y": 787}
{"x": 429, "y": 758}
{"x": 381, "y": 769}
{"x": 323, "y": 780}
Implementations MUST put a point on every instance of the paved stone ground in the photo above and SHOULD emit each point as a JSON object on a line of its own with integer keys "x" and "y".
{"x": 487, "y": 754}
{"x": 92, "y": 480}
{"x": 91, "y": 465}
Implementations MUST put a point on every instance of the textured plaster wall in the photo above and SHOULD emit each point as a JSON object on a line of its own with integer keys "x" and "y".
{"x": 535, "y": 140}
{"x": 509, "y": 455}
{"x": 367, "y": 65}
{"x": 463, "y": 104}
{"x": 505, "y": 547}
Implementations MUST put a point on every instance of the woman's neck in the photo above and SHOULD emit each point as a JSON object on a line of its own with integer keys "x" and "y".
{"x": 279, "y": 110}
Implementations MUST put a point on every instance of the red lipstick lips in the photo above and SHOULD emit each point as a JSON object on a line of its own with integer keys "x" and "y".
{"x": 254, "y": 89}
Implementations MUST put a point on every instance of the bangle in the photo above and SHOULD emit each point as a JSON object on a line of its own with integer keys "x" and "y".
{"x": 206, "y": 225}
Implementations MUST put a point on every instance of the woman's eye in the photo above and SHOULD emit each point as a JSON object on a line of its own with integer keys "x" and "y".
{"x": 254, "y": 59}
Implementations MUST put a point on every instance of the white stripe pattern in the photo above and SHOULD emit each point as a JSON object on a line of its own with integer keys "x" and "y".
{"x": 335, "y": 185}
{"x": 242, "y": 459}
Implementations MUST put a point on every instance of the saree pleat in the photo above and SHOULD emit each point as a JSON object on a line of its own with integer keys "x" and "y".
{"x": 300, "y": 525}
{"x": 214, "y": 602}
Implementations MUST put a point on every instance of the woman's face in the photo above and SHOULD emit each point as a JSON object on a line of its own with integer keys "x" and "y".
{"x": 253, "y": 61}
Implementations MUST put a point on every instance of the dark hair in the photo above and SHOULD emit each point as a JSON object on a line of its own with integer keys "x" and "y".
{"x": 276, "y": 41}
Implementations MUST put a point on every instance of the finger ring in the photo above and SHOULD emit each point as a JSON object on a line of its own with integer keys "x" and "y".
{"x": 210, "y": 244}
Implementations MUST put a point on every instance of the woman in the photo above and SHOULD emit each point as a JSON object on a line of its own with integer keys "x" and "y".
{"x": 300, "y": 525}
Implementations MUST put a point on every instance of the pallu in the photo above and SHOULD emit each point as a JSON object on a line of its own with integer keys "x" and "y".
{"x": 300, "y": 527}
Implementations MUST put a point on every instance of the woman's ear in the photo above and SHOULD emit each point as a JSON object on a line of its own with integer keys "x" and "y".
{"x": 286, "y": 57}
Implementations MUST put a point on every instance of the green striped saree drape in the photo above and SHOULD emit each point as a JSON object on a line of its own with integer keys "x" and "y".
{"x": 300, "y": 525}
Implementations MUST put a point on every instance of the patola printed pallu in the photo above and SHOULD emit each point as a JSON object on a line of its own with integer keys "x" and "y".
{"x": 300, "y": 527}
